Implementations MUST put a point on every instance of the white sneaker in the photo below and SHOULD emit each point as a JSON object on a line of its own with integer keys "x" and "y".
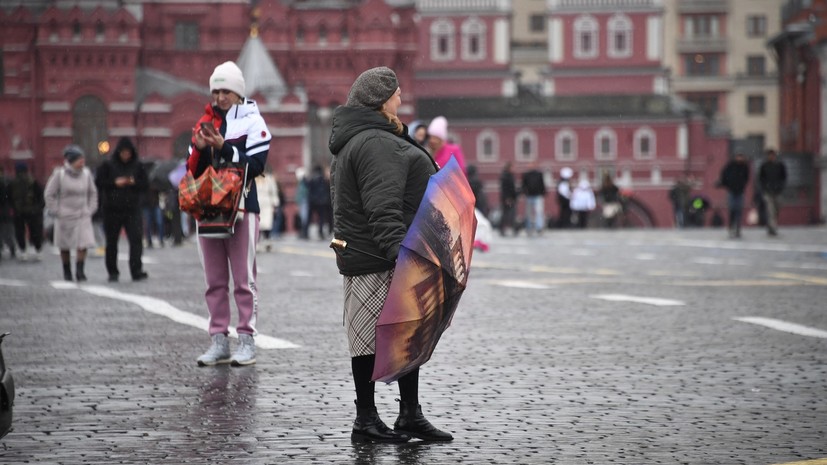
{"x": 23, "y": 256}
{"x": 246, "y": 352}
{"x": 219, "y": 351}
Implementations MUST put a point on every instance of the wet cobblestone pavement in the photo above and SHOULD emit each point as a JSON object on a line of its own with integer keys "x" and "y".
{"x": 594, "y": 347}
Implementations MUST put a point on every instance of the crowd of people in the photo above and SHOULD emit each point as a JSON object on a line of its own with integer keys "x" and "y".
{"x": 368, "y": 195}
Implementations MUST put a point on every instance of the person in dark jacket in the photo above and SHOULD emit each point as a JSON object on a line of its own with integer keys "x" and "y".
{"x": 122, "y": 181}
{"x": 508, "y": 200}
{"x": 477, "y": 187}
{"x": 734, "y": 178}
{"x": 6, "y": 216}
{"x": 379, "y": 176}
{"x": 26, "y": 195}
{"x": 534, "y": 188}
{"x": 772, "y": 177}
{"x": 319, "y": 201}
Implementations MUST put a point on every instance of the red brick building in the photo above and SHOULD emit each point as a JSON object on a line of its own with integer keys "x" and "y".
{"x": 139, "y": 68}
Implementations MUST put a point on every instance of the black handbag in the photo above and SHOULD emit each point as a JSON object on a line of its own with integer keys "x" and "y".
{"x": 6, "y": 393}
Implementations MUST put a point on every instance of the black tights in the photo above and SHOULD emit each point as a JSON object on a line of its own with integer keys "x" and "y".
{"x": 363, "y": 371}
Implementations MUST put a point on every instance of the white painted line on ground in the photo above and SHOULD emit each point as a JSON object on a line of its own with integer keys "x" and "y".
{"x": 802, "y": 266}
{"x": 520, "y": 284}
{"x": 163, "y": 308}
{"x": 719, "y": 261}
{"x": 583, "y": 252}
{"x": 641, "y": 300}
{"x": 646, "y": 256}
{"x": 785, "y": 326}
{"x": 13, "y": 282}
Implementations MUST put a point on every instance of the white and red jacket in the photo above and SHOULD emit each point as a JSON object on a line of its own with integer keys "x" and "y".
{"x": 246, "y": 140}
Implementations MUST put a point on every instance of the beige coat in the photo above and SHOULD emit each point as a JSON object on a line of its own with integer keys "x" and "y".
{"x": 71, "y": 198}
{"x": 268, "y": 200}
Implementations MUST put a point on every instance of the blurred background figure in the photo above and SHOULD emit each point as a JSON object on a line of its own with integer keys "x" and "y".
{"x": 612, "y": 207}
{"x": 564, "y": 197}
{"x": 268, "y": 201}
{"x": 441, "y": 149}
{"x": 319, "y": 199}
{"x": 418, "y": 131}
{"x": 534, "y": 189}
{"x": 583, "y": 202}
{"x": 679, "y": 196}
{"x": 153, "y": 199}
{"x": 734, "y": 178}
{"x": 303, "y": 203}
{"x": 772, "y": 178}
{"x": 6, "y": 217}
{"x": 27, "y": 201}
{"x": 508, "y": 200}
{"x": 71, "y": 199}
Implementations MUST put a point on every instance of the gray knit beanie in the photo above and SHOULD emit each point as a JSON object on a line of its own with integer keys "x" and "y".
{"x": 72, "y": 152}
{"x": 372, "y": 88}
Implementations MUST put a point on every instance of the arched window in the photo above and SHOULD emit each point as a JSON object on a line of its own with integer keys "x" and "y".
{"x": 488, "y": 146}
{"x": 644, "y": 145}
{"x": 605, "y": 144}
{"x": 565, "y": 145}
{"x": 525, "y": 146}
{"x": 586, "y": 35}
{"x": 89, "y": 127}
{"x": 442, "y": 40}
{"x": 620, "y": 37}
{"x": 473, "y": 40}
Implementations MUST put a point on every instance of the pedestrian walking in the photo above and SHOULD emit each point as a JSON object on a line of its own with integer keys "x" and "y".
{"x": 564, "y": 197}
{"x": 612, "y": 206}
{"x": 318, "y": 189}
{"x": 679, "y": 196}
{"x": 268, "y": 201}
{"x": 122, "y": 181}
{"x": 28, "y": 203}
{"x": 534, "y": 188}
{"x": 734, "y": 178}
{"x": 6, "y": 216}
{"x": 772, "y": 178}
{"x": 508, "y": 200}
{"x": 303, "y": 203}
{"x": 379, "y": 178}
{"x": 152, "y": 201}
{"x": 71, "y": 199}
{"x": 438, "y": 144}
{"x": 233, "y": 130}
{"x": 583, "y": 202}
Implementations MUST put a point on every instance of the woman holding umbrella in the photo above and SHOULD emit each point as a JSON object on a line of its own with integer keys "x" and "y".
{"x": 379, "y": 176}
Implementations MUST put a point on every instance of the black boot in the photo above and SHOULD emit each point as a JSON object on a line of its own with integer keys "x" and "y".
{"x": 79, "y": 274}
{"x": 67, "y": 271}
{"x": 411, "y": 421}
{"x": 368, "y": 427}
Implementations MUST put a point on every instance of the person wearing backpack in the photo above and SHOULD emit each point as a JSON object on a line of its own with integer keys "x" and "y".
{"x": 26, "y": 195}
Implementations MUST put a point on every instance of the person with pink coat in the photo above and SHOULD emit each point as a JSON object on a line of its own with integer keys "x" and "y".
{"x": 441, "y": 150}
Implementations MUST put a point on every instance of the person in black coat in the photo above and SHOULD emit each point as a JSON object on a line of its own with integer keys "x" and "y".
{"x": 734, "y": 178}
{"x": 772, "y": 177}
{"x": 379, "y": 175}
{"x": 122, "y": 181}
{"x": 508, "y": 199}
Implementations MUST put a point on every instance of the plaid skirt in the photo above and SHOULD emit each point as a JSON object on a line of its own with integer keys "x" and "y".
{"x": 364, "y": 297}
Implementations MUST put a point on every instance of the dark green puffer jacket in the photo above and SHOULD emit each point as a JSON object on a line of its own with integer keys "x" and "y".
{"x": 378, "y": 179}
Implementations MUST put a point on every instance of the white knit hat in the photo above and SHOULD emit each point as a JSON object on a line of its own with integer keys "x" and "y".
{"x": 439, "y": 128}
{"x": 566, "y": 172}
{"x": 227, "y": 76}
